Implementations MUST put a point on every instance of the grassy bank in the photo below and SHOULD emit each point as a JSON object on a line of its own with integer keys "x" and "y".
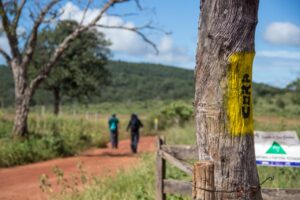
{"x": 138, "y": 183}
{"x": 77, "y": 128}
{"x": 49, "y": 137}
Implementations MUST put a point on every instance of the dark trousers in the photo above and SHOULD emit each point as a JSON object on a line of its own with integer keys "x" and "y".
{"x": 135, "y": 136}
{"x": 114, "y": 139}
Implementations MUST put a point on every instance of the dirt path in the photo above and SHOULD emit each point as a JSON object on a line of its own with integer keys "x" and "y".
{"x": 22, "y": 183}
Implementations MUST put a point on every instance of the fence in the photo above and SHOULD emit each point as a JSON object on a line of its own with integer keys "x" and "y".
{"x": 178, "y": 155}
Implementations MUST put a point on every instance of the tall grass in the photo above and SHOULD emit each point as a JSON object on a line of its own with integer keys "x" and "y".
{"x": 49, "y": 137}
{"x": 138, "y": 183}
{"x": 78, "y": 127}
{"x": 135, "y": 184}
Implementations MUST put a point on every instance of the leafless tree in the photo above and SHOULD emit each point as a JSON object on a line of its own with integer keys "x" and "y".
{"x": 21, "y": 51}
{"x": 223, "y": 99}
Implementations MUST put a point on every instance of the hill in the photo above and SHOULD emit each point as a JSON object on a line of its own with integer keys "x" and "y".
{"x": 130, "y": 82}
{"x": 140, "y": 81}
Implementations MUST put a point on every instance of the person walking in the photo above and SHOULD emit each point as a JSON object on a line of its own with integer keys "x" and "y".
{"x": 134, "y": 125}
{"x": 113, "y": 128}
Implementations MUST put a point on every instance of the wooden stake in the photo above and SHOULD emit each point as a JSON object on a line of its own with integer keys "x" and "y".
{"x": 203, "y": 181}
{"x": 160, "y": 171}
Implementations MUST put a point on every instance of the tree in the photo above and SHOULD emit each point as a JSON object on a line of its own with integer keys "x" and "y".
{"x": 23, "y": 47}
{"x": 223, "y": 96}
{"x": 295, "y": 88}
{"x": 80, "y": 71}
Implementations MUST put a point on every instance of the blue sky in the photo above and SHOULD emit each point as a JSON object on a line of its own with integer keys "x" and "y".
{"x": 277, "y": 60}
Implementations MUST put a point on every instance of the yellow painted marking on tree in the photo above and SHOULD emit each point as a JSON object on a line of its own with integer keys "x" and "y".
{"x": 239, "y": 94}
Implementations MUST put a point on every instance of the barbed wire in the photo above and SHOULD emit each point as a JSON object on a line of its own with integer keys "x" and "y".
{"x": 251, "y": 189}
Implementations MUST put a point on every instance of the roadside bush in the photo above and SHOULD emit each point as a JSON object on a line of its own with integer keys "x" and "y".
{"x": 50, "y": 137}
{"x": 177, "y": 113}
{"x": 5, "y": 127}
{"x": 280, "y": 103}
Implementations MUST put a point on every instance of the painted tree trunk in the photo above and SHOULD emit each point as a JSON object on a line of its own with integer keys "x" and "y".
{"x": 56, "y": 95}
{"x": 223, "y": 95}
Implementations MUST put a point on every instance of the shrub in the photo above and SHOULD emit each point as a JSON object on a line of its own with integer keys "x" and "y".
{"x": 49, "y": 137}
{"x": 177, "y": 113}
{"x": 280, "y": 103}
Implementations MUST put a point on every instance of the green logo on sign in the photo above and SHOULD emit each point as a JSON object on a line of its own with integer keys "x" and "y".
{"x": 276, "y": 149}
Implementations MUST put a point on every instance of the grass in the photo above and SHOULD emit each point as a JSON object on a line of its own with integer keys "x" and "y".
{"x": 138, "y": 183}
{"x": 135, "y": 184}
{"x": 127, "y": 185}
{"x": 49, "y": 137}
{"x": 67, "y": 134}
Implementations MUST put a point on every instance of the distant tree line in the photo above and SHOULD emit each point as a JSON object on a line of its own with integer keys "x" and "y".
{"x": 134, "y": 82}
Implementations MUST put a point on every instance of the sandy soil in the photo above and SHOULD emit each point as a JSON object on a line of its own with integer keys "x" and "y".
{"x": 22, "y": 182}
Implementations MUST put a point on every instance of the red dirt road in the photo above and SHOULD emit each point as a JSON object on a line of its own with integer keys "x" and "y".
{"x": 22, "y": 182}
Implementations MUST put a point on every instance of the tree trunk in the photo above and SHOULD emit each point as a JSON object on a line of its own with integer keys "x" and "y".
{"x": 223, "y": 96}
{"x": 21, "y": 116}
{"x": 23, "y": 95}
{"x": 56, "y": 95}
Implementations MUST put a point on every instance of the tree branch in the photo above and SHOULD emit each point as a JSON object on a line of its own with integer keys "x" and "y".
{"x": 137, "y": 31}
{"x": 64, "y": 45}
{"x": 10, "y": 33}
{"x": 138, "y": 4}
{"x": 18, "y": 14}
{"x": 85, "y": 11}
{"x": 5, "y": 55}
{"x": 31, "y": 44}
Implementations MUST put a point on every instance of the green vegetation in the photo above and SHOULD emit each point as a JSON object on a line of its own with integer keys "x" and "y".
{"x": 136, "y": 184}
{"x": 129, "y": 82}
{"x": 176, "y": 113}
{"x": 80, "y": 71}
{"x": 132, "y": 185}
{"x": 136, "y": 82}
{"x": 143, "y": 81}
{"x": 50, "y": 137}
{"x": 151, "y": 91}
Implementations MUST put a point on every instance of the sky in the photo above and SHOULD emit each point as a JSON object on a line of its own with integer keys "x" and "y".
{"x": 277, "y": 40}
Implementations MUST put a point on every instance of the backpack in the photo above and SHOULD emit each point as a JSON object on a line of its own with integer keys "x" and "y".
{"x": 135, "y": 125}
{"x": 113, "y": 126}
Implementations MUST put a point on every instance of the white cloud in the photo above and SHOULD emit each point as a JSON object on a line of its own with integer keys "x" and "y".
{"x": 275, "y": 71}
{"x": 128, "y": 44}
{"x": 122, "y": 40}
{"x": 283, "y": 33}
{"x": 279, "y": 54}
{"x": 170, "y": 53}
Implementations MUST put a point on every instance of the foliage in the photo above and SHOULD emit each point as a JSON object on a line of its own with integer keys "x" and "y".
{"x": 175, "y": 113}
{"x": 143, "y": 81}
{"x": 127, "y": 185}
{"x": 129, "y": 82}
{"x": 80, "y": 71}
{"x": 133, "y": 82}
{"x": 6, "y": 87}
{"x": 264, "y": 90}
{"x": 50, "y": 137}
{"x": 295, "y": 86}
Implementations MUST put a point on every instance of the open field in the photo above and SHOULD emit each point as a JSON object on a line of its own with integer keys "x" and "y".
{"x": 86, "y": 127}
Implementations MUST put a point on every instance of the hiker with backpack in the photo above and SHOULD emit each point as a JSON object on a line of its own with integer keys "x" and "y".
{"x": 113, "y": 128}
{"x": 134, "y": 125}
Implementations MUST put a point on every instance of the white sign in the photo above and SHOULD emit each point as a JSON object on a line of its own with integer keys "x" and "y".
{"x": 277, "y": 148}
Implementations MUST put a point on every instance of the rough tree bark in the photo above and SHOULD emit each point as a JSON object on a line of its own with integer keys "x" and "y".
{"x": 23, "y": 95}
{"x": 223, "y": 99}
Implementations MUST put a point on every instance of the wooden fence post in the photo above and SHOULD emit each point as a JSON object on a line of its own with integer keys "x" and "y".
{"x": 203, "y": 181}
{"x": 160, "y": 171}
